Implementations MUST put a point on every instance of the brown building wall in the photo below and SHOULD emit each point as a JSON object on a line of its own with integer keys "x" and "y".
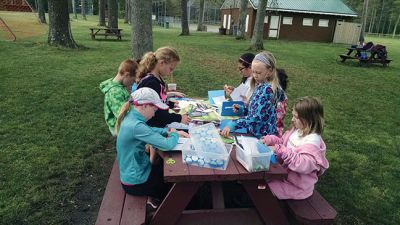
{"x": 296, "y": 31}
{"x": 235, "y": 17}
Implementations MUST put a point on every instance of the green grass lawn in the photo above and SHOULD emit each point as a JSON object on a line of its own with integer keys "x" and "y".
{"x": 56, "y": 151}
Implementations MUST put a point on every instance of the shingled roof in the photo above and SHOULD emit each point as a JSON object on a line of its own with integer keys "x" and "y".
{"x": 322, "y": 7}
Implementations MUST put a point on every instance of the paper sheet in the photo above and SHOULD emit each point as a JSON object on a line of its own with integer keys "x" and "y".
{"x": 238, "y": 92}
{"x": 181, "y": 143}
{"x": 218, "y": 100}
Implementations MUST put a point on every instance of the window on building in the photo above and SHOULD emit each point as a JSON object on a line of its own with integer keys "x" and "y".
{"x": 266, "y": 19}
{"x": 247, "y": 23}
{"x": 287, "y": 20}
{"x": 308, "y": 22}
{"x": 224, "y": 24}
{"x": 323, "y": 23}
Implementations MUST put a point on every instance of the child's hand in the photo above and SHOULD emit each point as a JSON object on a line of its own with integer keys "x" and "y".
{"x": 170, "y": 130}
{"x": 225, "y": 132}
{"x": 244, "y": 98}
{"x": 176, "y": 103}
{"x": 265, "y": 140}
{"x": 228, "y": 89}
{"x": 183, "y": 134}
{"x": 236, "y": 108}
{"x": 185, "y": 119}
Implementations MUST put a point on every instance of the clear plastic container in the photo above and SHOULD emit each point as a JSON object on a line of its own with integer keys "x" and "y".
{"x": 253, "y": 160}
{"x": 206, "y": 148}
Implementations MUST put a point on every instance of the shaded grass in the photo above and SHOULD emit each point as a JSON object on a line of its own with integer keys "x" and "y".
{"x": 55, "y": 142}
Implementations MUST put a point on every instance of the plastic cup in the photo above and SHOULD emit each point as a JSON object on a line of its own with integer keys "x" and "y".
{"x": 172, "y": 87}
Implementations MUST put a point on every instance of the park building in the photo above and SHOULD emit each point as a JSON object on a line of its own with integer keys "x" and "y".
{"x": 298, "y": 20}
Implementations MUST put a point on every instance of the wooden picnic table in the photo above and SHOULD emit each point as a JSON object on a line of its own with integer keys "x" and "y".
{"x": 100, "y": 31}
{"x": 187, "y": 180}
{"x": 364, "y": 56}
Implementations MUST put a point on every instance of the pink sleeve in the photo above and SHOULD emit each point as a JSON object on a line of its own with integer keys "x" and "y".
{"x": 302, "y": 160}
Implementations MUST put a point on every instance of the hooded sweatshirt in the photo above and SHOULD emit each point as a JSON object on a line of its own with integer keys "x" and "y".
{"x": 305, "y": 162}
{"x": 115, "y": 95}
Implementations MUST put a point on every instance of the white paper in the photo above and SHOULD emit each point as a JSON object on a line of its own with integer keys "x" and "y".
{"x": 249, "y": 144}
{"x": 181, "y": 143}
{"x": 218, "y": 100}
{"x": 238, "y": 92}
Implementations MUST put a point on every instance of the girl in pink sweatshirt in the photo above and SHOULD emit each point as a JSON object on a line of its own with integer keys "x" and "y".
{"x": 301, "y": 150}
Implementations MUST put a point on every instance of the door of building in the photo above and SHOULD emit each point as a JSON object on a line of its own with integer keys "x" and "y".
{"x": 274, "y": 27}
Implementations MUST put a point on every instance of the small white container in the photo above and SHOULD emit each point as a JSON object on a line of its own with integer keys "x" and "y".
{"x": 253, "y": 161}
{"x": 172, "y": 87}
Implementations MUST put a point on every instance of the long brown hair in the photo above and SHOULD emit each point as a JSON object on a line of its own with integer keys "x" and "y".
{"x": 311, "y": 113}
{"x": 150, "y": 59}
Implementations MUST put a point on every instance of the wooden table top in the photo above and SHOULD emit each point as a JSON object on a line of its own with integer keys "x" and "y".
{"x": 180, "y": 172}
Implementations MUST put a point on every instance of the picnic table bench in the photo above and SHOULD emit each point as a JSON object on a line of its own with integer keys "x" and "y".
{"x": 364, "y": 56}
{"x": 99, "y": 31}
{"x": 118, "y": 208}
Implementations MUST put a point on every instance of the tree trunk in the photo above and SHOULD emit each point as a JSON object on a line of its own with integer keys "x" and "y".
{"x": 383, "y": 26}
{"x": 380, "y": 16}
{"x": 83, "y": 9}
{"x": 241, "y": 32}
{"x": 69, "y": 6}
{"x": 41, "y": 13}
{"x": 201, "y": 17}
{"x": 59, "y": 26}
{"x": 184, "y": 18}
{"x": 74, "y": 9}
{"x": 257, "y": 39}
{"x": 371, "y": 22}
{"x": 142, "y": 33}
{"x": 390, "y": 26}
{"x": 113, "y": 14}
{"x": 102, "y": 13}
{"x": 395, "y": 26}
{"x": 127, "y": 11}
{"x": 364, "y": 21}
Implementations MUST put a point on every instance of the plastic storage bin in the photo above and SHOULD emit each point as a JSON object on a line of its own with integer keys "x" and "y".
{"x": 206, "y": 148}
{"x": 251, "y": 158}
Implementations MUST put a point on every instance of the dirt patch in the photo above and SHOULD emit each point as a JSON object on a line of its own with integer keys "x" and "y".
{"x": 89, "y": 194}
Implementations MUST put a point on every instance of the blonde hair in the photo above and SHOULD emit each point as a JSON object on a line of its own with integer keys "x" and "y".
{"x": 128, "y": 67}
{"x": 150, "y": 59}
{"x": 311, "y": 113}
{"x": 121, "y": 115}
{"x": 273, "y": 80}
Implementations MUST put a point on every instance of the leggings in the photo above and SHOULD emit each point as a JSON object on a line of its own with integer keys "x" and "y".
{"x": 154, "y": 186}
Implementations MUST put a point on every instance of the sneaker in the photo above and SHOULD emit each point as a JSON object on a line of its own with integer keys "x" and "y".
{"x": 153, "y": 202}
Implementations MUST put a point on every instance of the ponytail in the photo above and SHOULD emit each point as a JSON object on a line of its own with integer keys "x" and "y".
{"x": 121, "y": 115}
{"x": 147, "y": 64}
